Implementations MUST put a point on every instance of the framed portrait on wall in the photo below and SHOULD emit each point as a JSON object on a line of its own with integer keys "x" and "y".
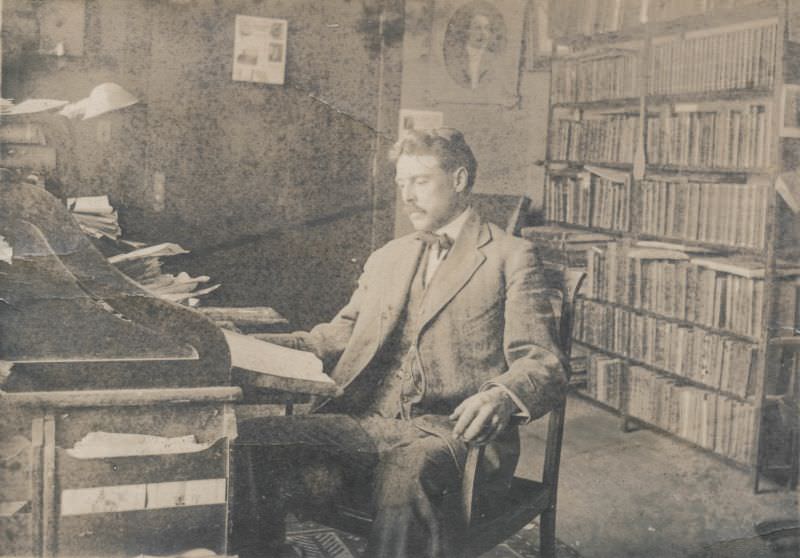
{"x": 790, "y": 111}
{"x": 539, "y": 44}
{"x": 475, "y": 51}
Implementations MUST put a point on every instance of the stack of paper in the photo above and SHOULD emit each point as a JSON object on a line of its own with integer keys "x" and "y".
{"x": 143, "y": 265}
{"x": 95, "y": 216}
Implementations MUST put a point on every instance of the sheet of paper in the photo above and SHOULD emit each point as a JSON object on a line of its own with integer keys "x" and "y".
{"x": 31, "y": 106}
{"x": 176, "y": 494}
{"x": 155, "y": 251}
{"x": 90, "y": 204}
{"x": 103, "y": 499}
{"x": 262, "y": 357}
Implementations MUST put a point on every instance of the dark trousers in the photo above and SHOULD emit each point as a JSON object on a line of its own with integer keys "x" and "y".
{"x": 407, "y": 478}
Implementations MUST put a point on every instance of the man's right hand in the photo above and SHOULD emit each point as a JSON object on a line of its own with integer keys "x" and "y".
{"x": 483, "y": 416}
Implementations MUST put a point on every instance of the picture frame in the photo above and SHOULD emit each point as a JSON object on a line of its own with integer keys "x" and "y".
{"x": 260, "y": 49}
{"x": 538, "y": 40}
{"x": 475, "y": 53}
{"x": 790, "y": 111}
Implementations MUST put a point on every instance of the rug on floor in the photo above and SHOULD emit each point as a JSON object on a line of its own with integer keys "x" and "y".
{"x": 318, "y": 541}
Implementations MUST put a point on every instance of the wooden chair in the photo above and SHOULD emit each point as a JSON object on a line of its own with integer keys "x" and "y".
{"x": 491, "y": 523}
{"x": 527, "y": 499}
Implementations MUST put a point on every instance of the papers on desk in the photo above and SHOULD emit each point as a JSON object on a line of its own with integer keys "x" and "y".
{"x": 31, "y": 106}
{"x": 95, "y": 215}
{"x": 274, "y": 367}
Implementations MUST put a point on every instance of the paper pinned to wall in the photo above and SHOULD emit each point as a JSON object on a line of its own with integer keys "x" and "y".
{"x": 259, "y": 49}
{"x": 419, "y": 120}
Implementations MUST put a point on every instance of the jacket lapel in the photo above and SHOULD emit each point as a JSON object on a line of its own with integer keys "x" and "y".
{"x": 457, "y": 268}
{"x": 398, "y": 284}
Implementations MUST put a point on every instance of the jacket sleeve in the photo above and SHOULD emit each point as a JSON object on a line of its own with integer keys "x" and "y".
{"x": 536, "y": 378}
{"x": 328, "y": 340}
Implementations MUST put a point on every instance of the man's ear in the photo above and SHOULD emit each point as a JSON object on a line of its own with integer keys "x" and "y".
{"x": 460, "y": 179}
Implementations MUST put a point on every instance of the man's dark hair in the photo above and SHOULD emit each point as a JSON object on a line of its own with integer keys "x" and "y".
{"x": 446, "y": 144}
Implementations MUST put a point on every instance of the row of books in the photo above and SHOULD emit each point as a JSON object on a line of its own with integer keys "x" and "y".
{"x": 602, "y": 138}
{"x": 717, "y": 361}
{"x": 595, "y": 78}
{"x": 718, "y": 292}
{"x": 604, "y": 379}
{"x": 589, "y": 17}
{"x": 732, "y": 214}
{"x": 588, "y": 199}
{"x": 742, "y": 57}
{"x": 719, "y": 213}
{"x": 709, "y": 420}
{"x": 735, "y": 138}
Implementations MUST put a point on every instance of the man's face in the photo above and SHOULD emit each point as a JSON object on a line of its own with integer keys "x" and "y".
{"x": 479, "y": 32}
{"x": 429, "y": 193}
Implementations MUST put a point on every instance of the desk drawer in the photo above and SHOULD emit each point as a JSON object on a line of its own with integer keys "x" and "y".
{"x": 114, "y": 477}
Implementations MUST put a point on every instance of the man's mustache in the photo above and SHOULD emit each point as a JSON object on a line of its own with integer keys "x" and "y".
{"x": 413, "y": 209}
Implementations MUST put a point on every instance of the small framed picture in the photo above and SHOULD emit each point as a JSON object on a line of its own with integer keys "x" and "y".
{"x": 538, "y": 43}
{"x": 790, "y": 111}
{"x": 419, "y": 120}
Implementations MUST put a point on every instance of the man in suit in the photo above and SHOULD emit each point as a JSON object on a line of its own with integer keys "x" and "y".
{"x": 446, "y": 337}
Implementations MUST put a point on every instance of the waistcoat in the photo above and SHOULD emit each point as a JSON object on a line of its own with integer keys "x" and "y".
{"x": 398, "y": 377}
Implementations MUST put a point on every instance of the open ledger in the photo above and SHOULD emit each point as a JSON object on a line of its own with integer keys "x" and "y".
{"x": 274, "y": 367}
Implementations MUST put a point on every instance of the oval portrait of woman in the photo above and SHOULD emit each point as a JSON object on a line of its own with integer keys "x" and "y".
{"x": 474, "y": 40}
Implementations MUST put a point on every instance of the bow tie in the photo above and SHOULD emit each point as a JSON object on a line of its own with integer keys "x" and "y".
{"x": 443, "y": 241}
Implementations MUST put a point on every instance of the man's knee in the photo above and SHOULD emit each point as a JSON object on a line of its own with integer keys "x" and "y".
{"x": 428, "y": 466}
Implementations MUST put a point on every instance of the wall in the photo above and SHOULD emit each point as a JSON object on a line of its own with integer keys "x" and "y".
{"x": 276, "y": 190}
{"x": 507, "y": 141}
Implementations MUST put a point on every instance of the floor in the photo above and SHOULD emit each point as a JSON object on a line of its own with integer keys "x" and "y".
{"x": 645, "y": 495}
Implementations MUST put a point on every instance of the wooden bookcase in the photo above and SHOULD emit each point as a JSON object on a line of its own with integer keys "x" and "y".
{"x": 665, "y": 132}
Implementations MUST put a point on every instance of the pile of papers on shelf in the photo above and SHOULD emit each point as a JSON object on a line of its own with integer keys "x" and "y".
{"x": 142, "y": 263}
{"x": 95, "y": 216}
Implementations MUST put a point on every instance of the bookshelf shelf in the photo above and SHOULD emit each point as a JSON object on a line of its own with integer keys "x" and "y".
{"x": 655, "y": 428}
{"x": 594, "y": 105}
{"x": 581, "y": 164}
{"x": 735, "y": 173}
{"x": 710, "y": 96}
{"x": 601, "y": 230}
{"x": 673, "y": 320}
{"x": 677, "y": 377}
{"x": 722, "y": 248}
{"x": 671, "y": 132}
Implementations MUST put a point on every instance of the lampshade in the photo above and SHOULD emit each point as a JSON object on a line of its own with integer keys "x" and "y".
{"x": 107, "y": 97}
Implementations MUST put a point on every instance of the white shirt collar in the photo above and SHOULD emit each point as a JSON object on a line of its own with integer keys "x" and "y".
{"x": 453, "y": 228}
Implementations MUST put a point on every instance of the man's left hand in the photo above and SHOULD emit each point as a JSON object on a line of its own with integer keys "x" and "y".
{"x": 483, "y": 416}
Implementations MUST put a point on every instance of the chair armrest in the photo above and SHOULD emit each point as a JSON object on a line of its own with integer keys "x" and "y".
{"x": 469, "y": 481}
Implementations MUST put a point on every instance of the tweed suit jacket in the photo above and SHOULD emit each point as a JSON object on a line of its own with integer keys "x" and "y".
{"x": 484, "y": 321}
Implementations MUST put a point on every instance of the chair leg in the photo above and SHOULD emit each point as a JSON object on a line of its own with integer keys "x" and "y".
{"x": 547, "y": 534}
